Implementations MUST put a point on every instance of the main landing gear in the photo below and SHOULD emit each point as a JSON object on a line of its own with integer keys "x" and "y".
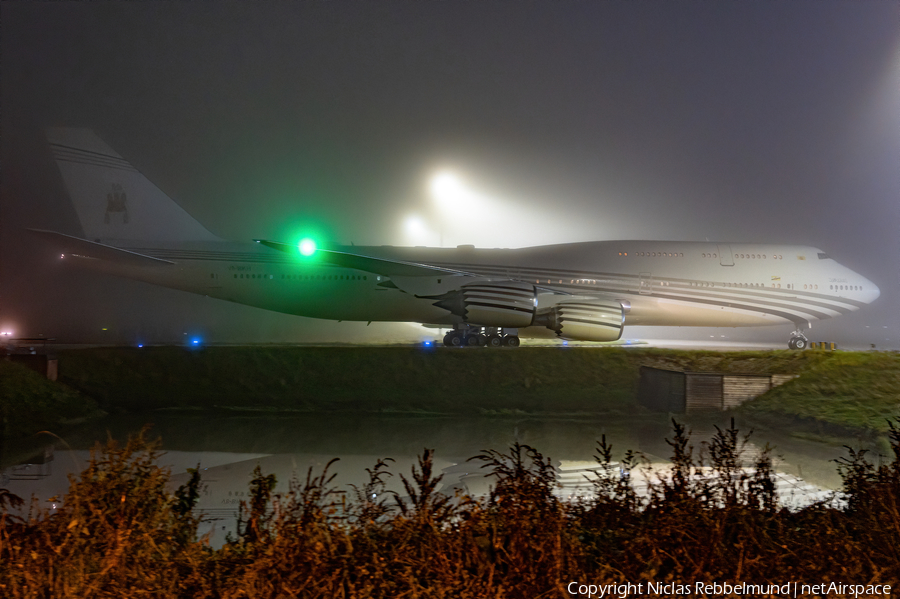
{"x": 798, "y": 341}
{"x": 470, "y": 336}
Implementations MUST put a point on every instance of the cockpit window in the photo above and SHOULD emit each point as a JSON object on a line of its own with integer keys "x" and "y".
{"x": 824, "y": 256}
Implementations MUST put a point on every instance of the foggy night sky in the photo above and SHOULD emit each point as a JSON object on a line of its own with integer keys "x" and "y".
{"x": 763, "y": 121}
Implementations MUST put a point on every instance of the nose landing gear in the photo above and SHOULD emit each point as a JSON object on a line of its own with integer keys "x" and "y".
{"x": 798, "y": 341}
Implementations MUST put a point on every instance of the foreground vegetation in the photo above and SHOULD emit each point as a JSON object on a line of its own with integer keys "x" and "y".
{"x": 119, "y": 532}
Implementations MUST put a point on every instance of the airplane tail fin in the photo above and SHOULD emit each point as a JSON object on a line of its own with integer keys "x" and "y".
{"x": 113, "y": 200}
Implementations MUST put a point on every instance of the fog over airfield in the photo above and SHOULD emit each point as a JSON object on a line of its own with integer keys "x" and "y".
{"x": 768, "y": 121}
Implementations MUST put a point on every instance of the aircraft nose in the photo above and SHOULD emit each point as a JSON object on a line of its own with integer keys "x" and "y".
{"x": 873, "y": 292}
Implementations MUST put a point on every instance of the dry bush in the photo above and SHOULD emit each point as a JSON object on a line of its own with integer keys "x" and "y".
{"x": 119, "y": 533}
{"x": 116, "y": 532}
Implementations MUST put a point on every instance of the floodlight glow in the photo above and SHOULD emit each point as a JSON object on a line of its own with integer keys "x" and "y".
{"x": 307, "y": 247}
{"x": 414, "y": 226}
{"x": 446, "y": 186}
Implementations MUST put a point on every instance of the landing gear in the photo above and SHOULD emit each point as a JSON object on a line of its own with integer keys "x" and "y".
{"x": 453, "y": 339}
{"x": 472, "y": 336}
{"x": 798, "y": 341}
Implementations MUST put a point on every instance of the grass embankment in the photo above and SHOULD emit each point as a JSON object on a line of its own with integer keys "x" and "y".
{"x": 854, "y": 391}
{"x": 120, "y": 532}
{"x": 360, "y": 379}
{"x": 857, "y": 391}
{"x": 403, "y": 379}
{"x": 30, "y": 403}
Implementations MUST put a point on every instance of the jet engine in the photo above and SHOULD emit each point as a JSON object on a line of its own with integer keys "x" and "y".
{"x": 492, "y": 304}
{"x": 586, "y": 320}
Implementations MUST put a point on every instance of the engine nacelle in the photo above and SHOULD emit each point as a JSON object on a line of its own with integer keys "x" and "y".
{"x": 587, "y": 320}
{"x": 509, "y": 304}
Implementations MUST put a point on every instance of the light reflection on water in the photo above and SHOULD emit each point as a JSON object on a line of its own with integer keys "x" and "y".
{"x": 228, "y": 446}
{"x": 453, "y": 438}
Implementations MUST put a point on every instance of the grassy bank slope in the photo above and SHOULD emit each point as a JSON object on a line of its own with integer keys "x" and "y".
{"x": 849, "y": 390}
{"x": 30, "y": 403}
{"x": 535, "y": 380}
{"x": 355, "y": 378}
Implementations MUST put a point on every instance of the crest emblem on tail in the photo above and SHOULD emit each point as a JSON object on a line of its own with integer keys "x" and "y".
{"x": 115, "y": 202}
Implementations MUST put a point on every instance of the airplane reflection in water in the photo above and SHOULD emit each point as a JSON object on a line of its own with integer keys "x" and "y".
{"x": 225, "y": 480}
{"x": 579, "y": 291}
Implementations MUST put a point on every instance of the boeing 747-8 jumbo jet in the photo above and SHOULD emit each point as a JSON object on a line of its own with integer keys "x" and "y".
{"x": 581, "y": 291}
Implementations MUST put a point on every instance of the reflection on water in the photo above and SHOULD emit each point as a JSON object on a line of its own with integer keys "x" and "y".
{"x": 453, "y": 438}
{"x": 228, "y": 446}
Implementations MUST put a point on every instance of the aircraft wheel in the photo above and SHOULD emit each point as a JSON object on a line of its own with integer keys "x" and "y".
{"x": 798, "y": 343}
{"x": 455, "y": 340}
{"x": 472, "y": 340}
{"x": 482, "y": 340}
{"x": 495, "y": 341}
{"x": 511, "y": 341}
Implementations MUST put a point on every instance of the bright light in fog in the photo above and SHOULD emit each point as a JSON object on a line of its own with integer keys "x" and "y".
{"x": 307, "y": 247}
{"x": 417, "y": 232}
{"x": 414, "y": 226}
{"x": 469, "y": 208}
{"x": 447, "y": 187}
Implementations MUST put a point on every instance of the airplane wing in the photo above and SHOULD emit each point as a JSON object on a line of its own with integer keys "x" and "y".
{"x": 389, "y": 268}
{"x": 83, "y": 248}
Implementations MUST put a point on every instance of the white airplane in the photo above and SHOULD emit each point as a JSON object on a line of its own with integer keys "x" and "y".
{"x": 580, "y": 291}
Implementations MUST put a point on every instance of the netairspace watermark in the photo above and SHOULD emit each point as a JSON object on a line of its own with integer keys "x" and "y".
{"x": 621, "y": 590}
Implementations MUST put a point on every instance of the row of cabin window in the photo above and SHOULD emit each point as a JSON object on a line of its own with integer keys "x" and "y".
{"x": 326, "y": 277}
{"x": 655, "y": 254}
{"x": 745, "y": 285}
{"x": 307, "y": 277}
{"x": 747, "y": 256}
{"x": 845, "y": 287}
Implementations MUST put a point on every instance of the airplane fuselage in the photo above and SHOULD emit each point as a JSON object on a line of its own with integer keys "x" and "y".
{"x": 659, "y": 283}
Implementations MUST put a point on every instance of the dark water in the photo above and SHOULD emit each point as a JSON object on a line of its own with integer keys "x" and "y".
{"x": 453, "y": 438}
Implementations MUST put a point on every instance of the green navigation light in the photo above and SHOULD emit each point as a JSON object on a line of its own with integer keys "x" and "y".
{"x": 307, "y": 247}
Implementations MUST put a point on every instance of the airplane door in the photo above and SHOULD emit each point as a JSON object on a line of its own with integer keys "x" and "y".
{"x": 726, "y": 258}
{"x": 646, "y": 284}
